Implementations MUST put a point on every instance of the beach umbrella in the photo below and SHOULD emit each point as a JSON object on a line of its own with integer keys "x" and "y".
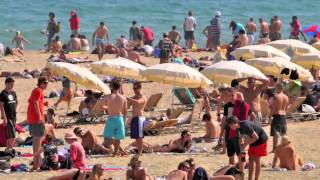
{"x": 292, "y": 47}
{"x": 226, "y": 71}
{"x": 312, "y": 30}
{"x": 176, "y": 74}
{"x": 257, "y": 51}
{"x": 274, "y": 67}
{"x": 308, "y": 61}
{"x": 119, "y": 67}
{"x": 316, "y": 45}
{"x": 78, "y": 74}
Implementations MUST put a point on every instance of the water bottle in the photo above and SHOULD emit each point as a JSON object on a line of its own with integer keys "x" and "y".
{"x": 202, "y": 146}
{"x": 193, "y": 147}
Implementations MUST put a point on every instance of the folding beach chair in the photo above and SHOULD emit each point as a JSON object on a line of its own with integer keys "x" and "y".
{"x": 185, "y": 97}
{"x": 292, "y": 109}
{"x": 152, "y": 103}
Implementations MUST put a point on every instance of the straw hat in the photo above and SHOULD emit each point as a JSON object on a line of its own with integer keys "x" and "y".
{"x": 70, "y": 136}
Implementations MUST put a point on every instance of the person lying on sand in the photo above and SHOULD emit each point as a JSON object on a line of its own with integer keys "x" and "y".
{"x": 180, "y": 145}
{"x": 181, "y": 173}
{"x": 287, "y": 155}
{"x": 212, "y": 130}
{"x": 77, "y": 174}
{"x": 90, "y": 142}
{"x": 137, "y": 172}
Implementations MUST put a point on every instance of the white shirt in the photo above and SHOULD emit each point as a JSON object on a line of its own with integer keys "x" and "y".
{"x": 190, "y": 22}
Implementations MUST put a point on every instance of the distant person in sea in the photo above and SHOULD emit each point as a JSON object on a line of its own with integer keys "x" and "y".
{"x": 251, "y": 28}
{"x": 216, "y": 30}
{"x": 189, "y": 27}
{"x": 19, "y": 39}
{"x": 264, "y": 39}
{"x": 134, "y": 32}
{"x": 74, "y": 22}
{"x": 287, "y": 155}
{"x": 296, "y": 29}
{"x": 207, "y": 31}
{"x": 84, "y": 43}
{"x": 74, "y": 43}
{"x": 166, "y": 48}
{"x": 174, "y": 35}
{"x": 275, "y": 28}
{"x": 264, "y": 27}
{"x": 236, "y": 27}
{"x": 100, "y": 38}
{"x": 148, "y": 36}
{"x": 51, "y": 30}
{"x": 56, "y": 45}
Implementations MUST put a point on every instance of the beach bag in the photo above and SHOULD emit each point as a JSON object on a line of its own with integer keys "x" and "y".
{"x": 57, "y": 27}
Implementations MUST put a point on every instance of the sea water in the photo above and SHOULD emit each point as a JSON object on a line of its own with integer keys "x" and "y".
{"x": 30, "y": 16}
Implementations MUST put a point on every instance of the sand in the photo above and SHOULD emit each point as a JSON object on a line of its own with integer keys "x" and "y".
{"x": 304, "y": 135}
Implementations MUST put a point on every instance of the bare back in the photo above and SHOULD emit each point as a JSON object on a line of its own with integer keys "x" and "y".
{"x": 276, "y": 26}
{"x": 177, "y": 175}
{"x": 138, "y": 174}
{"x": 280, "y": 104}
{"x": 286, "y": 155}
{"x": 213, "y": 129}
{"x": 116, "y": 104}
{"x": 88, "y": 140}
{"x": 251, "y": 27}
{"x": 264, "y": 27}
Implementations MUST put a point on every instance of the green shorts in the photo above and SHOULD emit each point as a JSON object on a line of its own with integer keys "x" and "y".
{"x": 114, "y": 128}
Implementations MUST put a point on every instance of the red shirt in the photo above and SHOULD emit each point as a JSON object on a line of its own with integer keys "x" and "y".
{"x": 241, "y": 110}
{"x": 36, "y": 95}
{"x": 295, "y": 29}
{"x": 77, "y": 155}
{"x": 74, "y": 23}
{"x": 148, "y": 34}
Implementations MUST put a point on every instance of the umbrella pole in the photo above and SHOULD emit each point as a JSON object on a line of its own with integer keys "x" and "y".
{"x": 174, "y": 85}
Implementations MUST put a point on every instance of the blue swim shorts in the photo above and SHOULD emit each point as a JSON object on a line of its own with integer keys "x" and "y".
{"x": 100, "y": 42}
{"x": 114, "y": 128}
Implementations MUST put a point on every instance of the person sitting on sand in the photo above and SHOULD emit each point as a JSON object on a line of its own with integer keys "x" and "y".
{"x": 84, "y": 43}
{"x": 264, "y": 39}
{"x": 243, "y": 38}
{"x": 50, "y": 152}
{"x": 86, "y": 105}
{"x": 74, "y": 43}
{"x": 77, "y": 153}
{"x": 49, "y": 116}
{"x": 90, "y": 142}
{"x": 56, "y": 45}
{"x": 13, "y": 51}
{"x": 78, "y": 174}
{"x": 180, "y": 145}
{"x": 133, "y": 55}
{"x": 234, "y": 44}
{"x": 287, "y": 155}
{"x": 212, "y": 130}
{"x": 19, "y": 39}
{"x": 181, "y": 173}
{"x": 136, "y": 172}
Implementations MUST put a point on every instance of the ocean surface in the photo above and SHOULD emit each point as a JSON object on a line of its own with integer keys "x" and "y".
{"x": 30, "y": 16}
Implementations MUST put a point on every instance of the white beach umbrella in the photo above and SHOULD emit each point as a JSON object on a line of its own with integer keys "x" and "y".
{"x": 308, "y": 61}
{"x": 78, "y": 74}
{"x": 119, "y": 67}
{"x": 292, "y": 47}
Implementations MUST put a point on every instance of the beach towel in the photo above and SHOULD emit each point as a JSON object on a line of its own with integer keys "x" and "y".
{"x": 109, "y": 168}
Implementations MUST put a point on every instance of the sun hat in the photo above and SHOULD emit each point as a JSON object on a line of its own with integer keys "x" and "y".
{"x": 218, "y": 13}
{"x": 70, "y": 136}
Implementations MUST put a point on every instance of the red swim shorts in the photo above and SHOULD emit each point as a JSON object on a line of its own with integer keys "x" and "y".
{"x": 258, "y": 151}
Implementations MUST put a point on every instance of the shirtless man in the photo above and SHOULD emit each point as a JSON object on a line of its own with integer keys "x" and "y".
{"x": 181, "y": 173}
{"x": 138, "y": 103}
{"x": 287, "y": 155}
{"x": 212, "y": 130}
{"x": 278, "y": 109}
{"x": 264, "y": 39}
{"x": 137, "y": 172}
{"x": 101, "y": 32}
{"x": 19, "y": 39}
{"x": 74, "y": 44}
{"x": 207, "y": 31}
{"x": 117, "y": 111}
{"x": 134, "y": 56}
{"x": 275, "y": 29}
{"x": 56, "y": 45}
{"x": 252, "y": 95}
{"x": 90, "y": 142}
{"x": 251, "y": 28}
{"x": 174, "y": 35}
{"x": 243, "y": 38}
{"x": 264, "y": 27}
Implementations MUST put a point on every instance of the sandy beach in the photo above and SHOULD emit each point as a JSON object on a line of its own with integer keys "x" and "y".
{"x": 303, "y": 135}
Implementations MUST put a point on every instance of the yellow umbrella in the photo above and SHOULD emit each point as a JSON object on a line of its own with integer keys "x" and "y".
{"x": 78, "y": 74}
{"x": 274, "y": 66}
{"x": 226, "y": 71}
{"x": 292, "y": 47}
{"x": 256, "y": 51}
{"x": 316, "y": 45}
{"x": 308, "y": 61}
{"x": 120, "y": 67}
{"x": 177, "y": 75}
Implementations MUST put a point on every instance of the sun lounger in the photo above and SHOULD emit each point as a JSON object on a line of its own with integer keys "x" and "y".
{"x": 185, "y": 97}
{"x": 152, "y": 103}
{"x": 293, "y": 107}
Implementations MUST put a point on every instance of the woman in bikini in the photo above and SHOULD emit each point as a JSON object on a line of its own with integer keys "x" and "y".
{"x": 77, "y": 174}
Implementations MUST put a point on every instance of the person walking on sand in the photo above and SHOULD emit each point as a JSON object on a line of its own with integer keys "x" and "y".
{"x": 66, "y": 94}
{"x": 51, "y": 29}
{"x": 8, "y": 109}
{"x": 36, "y": 120}
{"x": 189, "y": 27}
{"x": 138, "y": 103}
{"x": 19, "y": 39}
{"x": 216, "y": 30}
{"x": 74, "y": 23}
{"x": 275, "y": 29}
{"x": 117, "y": 111}
{"x": 278, "y": 109}
{"x": 251, "y": 28}
{"x": 98, "y": 38}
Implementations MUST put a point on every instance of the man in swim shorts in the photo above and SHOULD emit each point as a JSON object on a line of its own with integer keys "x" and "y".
{"x": 114, "y": 130}
{"x": 279, "y": 109}
{"x": 189, "y": 27}
{"x": 138, "y": 103}
{"x": 275, "y": 29}
{"x": 251, "y": 28}
{"x": 98, "y": 39}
